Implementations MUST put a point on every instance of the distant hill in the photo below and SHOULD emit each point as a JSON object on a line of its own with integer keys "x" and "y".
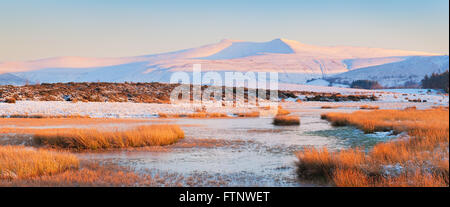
{"x": 398, "y": 73}
{"x": 9, "y": 79}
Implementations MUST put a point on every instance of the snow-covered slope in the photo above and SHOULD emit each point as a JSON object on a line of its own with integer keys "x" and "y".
{"x": 9, "y": 79}
{"x": 296, "y": 62}
{"x": 398, "y": 73}
{"x": 245, "y": 49}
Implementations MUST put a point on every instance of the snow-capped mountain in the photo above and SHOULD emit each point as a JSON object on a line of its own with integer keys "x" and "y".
{"x": 296, "y": 62}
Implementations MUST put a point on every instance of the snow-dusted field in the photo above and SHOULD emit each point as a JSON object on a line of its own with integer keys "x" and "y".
{"x": 405, "y": 95}
{"x": 320, "y": 89}
{"x": 388, "y": 98}
{"x": 143, "y": 110}
{"x": 253, "y": 153}
{"x": 384, "y": 95}
{"x": 350, "y": 106}
{"x": 105, "y": 109}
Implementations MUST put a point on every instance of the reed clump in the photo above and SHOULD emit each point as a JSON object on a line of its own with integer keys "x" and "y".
{"x": 329, "y": 107}
{"x": 369, "y": 107}
{"x": 19, "y": 162}
{"x": 93, "y": 139}
{"x": 89, "y": 175}
{"x": 42, "y": 116}
{"x": 248, "y": 114}
{"x": 282, "y": 111}
{"x": 281, "y": 120}
{"x": 207, "y": 115}
{"x": 10, "y": 100}
{"x": 421, "y": 159}
{"x": 198, "y": 115}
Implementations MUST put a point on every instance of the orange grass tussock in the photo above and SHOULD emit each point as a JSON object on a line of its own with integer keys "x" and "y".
{"x": 248, "y": 114}
{"x": 387, "y": 120}
{"x": 93, "y": 139}
{"x": 27, "y": 122}
{"x": 282, "y": 111}
{"x": 207, "y": 115}
{"x": 91, "y": 174}
{"x": 368, "y": 107}
{"x": 21, "y": 162}
{"x": 419, "y": 160}
{"x": 329, "y": 107}
{"x": 280, "y": 120}
{"x": 87, "y": 175}
{"x": 42, "y": 116}
{"x": 357, "y": 178}
{"x": 198, "y": 115}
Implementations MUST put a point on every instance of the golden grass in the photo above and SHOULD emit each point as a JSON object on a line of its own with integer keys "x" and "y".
{"x": 440, "y": 107}
{"x": 21, "y": 131}
{"x": 10, "y": 100}
{"x": 281, "y": 120}
{"x": 27, "y": 122}
{"x": 93, "y": 139}
{"x": 368, "y": 107}
{"x": 282, "y": 111}
{"x": 387, "y": 120}
{"x": 422, "y": 157}
{"x": 264, "y": 108}
{"x": 207, "y": 115}
{"x": 329, "y": 107}
{"x": 95, "y": 175}
{"x": 20, "y": 162}
{"x": 357, "y": 178}
{"x": 262, "y": 112}
{"x": 350, "y": 178}
{"x": 248, "y": 114}
{"x": 88, "y": 175}
{"x": 412, "y": 108}
{"x": 163, "y": 115}
{"x": 42, "y": 116}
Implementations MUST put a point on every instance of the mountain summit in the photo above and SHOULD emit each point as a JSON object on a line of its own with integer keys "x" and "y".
{"x": 245, "y": 49}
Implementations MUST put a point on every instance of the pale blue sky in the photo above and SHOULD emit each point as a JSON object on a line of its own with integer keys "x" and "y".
{"x": 112, "y": 28}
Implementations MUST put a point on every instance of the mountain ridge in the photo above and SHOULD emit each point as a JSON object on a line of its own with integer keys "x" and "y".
{"x": 296, "y": 62}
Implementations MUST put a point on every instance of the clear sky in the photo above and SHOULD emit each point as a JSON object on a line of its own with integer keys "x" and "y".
{"x": 32, "y": 29}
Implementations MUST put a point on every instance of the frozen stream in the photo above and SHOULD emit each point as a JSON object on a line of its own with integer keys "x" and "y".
{"x": 248, "y": 151}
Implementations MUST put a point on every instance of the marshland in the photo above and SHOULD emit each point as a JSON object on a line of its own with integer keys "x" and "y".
{"x": 206, "y": 93}
{"x": 303, "y": 144}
